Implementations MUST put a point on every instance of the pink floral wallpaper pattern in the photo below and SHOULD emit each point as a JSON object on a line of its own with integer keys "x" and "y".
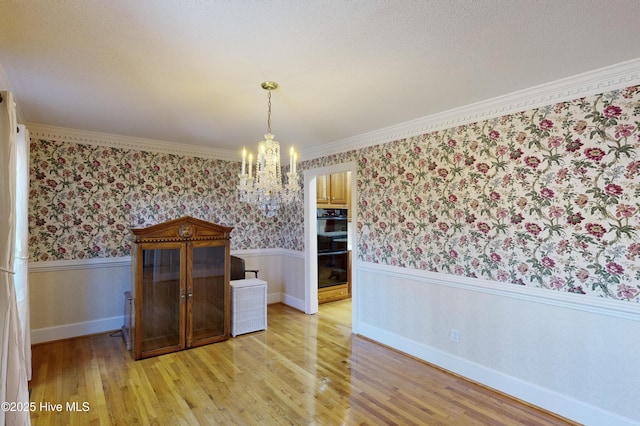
{"x": 84, "y": 199}
{"x": 548, "y": 198}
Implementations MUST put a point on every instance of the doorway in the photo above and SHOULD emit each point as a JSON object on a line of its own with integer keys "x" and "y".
{"x": 311, "y": 236}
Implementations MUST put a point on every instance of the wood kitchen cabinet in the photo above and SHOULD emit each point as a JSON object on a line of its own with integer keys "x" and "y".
{"x": 180, "y": 286}
{"x": 332, "y": 294}
{"x": 323, "y": 192}
{"x": 333, "y": 191}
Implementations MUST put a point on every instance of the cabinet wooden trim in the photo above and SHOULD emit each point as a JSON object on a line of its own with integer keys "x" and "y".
{"x": 182, "y": 229}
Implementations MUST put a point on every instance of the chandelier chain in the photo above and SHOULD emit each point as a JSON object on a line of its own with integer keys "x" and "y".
{"x": 269, "y": 114}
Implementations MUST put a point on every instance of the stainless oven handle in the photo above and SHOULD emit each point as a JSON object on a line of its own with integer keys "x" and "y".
{"x": 326, "y": 253}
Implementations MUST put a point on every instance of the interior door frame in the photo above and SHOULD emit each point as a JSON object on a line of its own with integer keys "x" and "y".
{"x": 311, "y": 236}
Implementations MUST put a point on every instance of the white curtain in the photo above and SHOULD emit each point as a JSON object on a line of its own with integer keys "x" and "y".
{"x": 13, "y": 373}
{"x": 21, "y": 261}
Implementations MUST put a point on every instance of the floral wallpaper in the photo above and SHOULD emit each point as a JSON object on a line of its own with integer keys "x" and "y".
{"x": 547, "y": 198}
{"x": 83, "y": 200}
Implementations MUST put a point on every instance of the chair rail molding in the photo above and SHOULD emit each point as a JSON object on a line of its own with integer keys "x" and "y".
{"x": 613, "y": 308}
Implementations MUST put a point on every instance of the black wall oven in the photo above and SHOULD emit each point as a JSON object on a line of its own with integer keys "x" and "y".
{"x": 333, "y": 255}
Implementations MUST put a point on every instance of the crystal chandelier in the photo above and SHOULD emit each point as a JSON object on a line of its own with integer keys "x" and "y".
{"x": 265, "y": 189}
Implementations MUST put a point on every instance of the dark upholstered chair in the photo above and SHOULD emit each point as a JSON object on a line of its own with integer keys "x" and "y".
{"x": 238, "y": 271}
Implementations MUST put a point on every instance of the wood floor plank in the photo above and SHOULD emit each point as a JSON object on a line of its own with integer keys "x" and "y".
{"x": 305, "y": 369}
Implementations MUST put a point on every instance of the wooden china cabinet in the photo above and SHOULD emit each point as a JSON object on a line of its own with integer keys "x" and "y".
{"x": 180, "y": 286}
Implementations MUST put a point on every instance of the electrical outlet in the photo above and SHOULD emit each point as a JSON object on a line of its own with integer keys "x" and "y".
{"x": 455, "y": 335}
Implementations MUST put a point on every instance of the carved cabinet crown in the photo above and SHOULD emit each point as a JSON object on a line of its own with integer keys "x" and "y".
{"x": 182, "y": 229}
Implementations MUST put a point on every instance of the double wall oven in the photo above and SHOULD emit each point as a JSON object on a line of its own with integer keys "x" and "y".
{"x": 333, "y": 255}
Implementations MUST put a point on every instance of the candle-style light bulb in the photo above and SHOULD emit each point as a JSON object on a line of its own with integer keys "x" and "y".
{"x": 295, "y": 160}
{"x": 250, "y": 164}
{"x": 291, "y": 152}
{"x": 244, "y": 160}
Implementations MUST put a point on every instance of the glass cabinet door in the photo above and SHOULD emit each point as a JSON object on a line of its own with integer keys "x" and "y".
{"x": 161, "y": 325}
{"x": 207, "y": 295}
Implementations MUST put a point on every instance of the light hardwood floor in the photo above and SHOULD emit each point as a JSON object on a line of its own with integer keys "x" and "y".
{"x": 302, "y": 370}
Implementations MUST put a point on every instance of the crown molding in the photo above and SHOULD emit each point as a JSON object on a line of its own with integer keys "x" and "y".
{"x": 127, "y": 142}
{"x": 605, "y": 79}
{"x": 614, "y": 77}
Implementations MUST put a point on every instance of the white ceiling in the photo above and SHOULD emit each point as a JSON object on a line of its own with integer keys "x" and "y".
{"x": 190, "y": 71}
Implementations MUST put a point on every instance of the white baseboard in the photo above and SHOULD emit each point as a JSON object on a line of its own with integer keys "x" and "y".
{"x": 294, "y": 302}
{"x": 533, "y": 394}
{"x": 67, "y": 331}
{"x": 274, "y": 298}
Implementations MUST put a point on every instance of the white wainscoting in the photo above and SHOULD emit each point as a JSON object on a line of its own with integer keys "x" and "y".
{"x": 573, "y": 355}
{"x": 79, "y": 297}
{"x": 75, "y": 298}
{"x": 283, "y": 270}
